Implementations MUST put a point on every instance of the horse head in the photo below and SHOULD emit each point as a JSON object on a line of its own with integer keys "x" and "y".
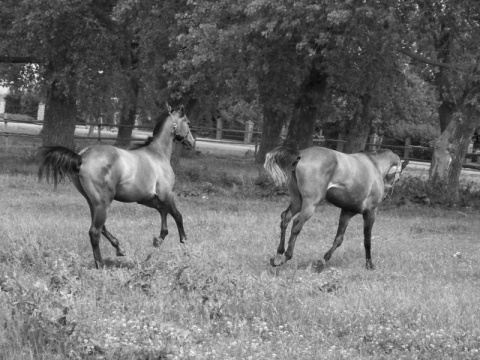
{"x": 181, "y": 127}
{"x": 392, "y": 178}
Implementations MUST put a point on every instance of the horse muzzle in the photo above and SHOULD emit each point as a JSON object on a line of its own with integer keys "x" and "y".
{"x": 186, "y": 140}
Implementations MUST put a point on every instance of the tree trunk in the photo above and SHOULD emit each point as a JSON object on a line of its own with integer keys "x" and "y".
{"x": 449, "y": 155}
{"x": 273, "y": 122}
{"x": 358, "y": 129}
{"x": 445, "y": 113}
{"x": 302, "y": 125}
{"x": 130, "y": 102}
{"x": 128, "y": 114}
{"x": 60, "y": 119}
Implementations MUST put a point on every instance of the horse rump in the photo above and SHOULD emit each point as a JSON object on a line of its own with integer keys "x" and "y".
{"x": 279, "y": 164}
{"x": 58, "y": 162}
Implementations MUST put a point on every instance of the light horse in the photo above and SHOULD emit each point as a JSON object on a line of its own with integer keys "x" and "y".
{"x": 355, "y": 183}
{"x": 103, "y": 173}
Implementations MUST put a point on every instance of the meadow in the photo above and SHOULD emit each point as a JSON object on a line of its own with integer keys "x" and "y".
{"x": 217, "y": 296}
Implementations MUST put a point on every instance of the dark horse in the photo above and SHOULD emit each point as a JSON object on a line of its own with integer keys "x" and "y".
{"x": 103, "y": 173}
{"x": 356, "y": 183}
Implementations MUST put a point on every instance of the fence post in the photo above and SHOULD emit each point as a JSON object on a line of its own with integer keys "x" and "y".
{"x": 406, "y": 151}
{"x": 373, "y": 142}
{"x": 219, "y": 128}
{"x": 41, "y": 111}
{"x": 2, "y": 106}
{"x": 100, "y": 121}
{"x": 5, "y": 126}
{"x": 340, "y": 142}
{"x": 247, "y": 138}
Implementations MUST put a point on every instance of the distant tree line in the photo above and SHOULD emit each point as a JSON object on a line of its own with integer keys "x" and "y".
{"x": 363, "y": 65}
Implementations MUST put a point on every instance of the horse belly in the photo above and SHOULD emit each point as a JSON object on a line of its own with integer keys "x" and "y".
{"x": 131, "y": 191}
{"x": 345, "y": 200}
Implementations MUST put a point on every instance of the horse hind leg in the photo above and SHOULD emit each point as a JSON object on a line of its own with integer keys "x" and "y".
{"x": 99, "y": 216}
{"x": 345, "y": 217}
{"x": 114, "y": 241}
{"x": 307, "y": 211}
{"x": 286, "y": 217}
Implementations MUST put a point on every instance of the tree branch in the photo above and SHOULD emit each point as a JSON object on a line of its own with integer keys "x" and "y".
{"x": 413, "y": 55}
{"x": 19, "y": 60}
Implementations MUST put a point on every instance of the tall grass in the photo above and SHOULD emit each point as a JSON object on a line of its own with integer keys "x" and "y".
{"x": 217, "y": 297}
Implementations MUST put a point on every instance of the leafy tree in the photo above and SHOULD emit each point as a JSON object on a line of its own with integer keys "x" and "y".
{"x": 72, "y": 43}
{"x": 441, "y": 39}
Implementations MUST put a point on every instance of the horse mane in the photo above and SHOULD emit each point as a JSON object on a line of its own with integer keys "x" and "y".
{"x": 156, "y": 130}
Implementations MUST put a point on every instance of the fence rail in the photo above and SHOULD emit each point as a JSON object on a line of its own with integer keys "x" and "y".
{"x": 247, "y": 136}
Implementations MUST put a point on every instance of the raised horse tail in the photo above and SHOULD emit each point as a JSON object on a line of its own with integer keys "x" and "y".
{"x": 58, "y": 162}
{"x": 280, "y": 163}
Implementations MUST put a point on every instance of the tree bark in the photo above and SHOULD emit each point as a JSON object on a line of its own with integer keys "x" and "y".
{"x": 302, "y": 124}
{"x": 445, "y": 113}
{"x": 273, "y": 122}
{"x": 449, "y": 154}
{"x": 60, "y": 118}
{"x": 130, "y": 101}
{"x": 127, "y": 116}
{"x": 358, "y": 129}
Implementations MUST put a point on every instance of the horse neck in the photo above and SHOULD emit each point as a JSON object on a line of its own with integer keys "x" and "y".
{"x": 385, "y": 164}
{"x": 162, "y": 143}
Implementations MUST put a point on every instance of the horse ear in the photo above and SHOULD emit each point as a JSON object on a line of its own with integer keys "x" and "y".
{"x": 182, "y": 110}
{"x": 404, "y": 164}
{"x": 169, "y": 108}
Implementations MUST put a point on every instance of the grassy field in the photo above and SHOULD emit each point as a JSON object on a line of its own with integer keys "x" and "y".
{"x": 217, "y": 297}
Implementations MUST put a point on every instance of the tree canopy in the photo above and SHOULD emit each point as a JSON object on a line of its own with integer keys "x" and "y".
{"x": 373, "y": 65}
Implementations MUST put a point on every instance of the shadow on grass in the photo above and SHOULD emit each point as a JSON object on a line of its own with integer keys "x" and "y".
{"x": 119, "y": 263}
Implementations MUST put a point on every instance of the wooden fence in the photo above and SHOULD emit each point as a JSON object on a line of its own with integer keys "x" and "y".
{"x": 103, "y": 132}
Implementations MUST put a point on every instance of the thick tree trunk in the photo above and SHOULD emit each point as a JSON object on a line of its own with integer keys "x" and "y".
{"x": 302, "y": 124}
{"x": 130, "y": 102}
{"x": 445, "y": 113}
{"x": 128, "y": 114}
{"x": 358, "y": 129}
{"x": 60, "y": 119}
{"x": 449, "y": 155}
{"x": 273, "y": 122}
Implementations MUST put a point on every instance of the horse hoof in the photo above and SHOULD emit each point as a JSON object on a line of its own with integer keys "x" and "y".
{"x": 369, "y": 265}
{"x": 120, "y": 252}
{"x": 157, "y": 242}
{"x": 319, "y": 265}
{"x": 278, "y": 260}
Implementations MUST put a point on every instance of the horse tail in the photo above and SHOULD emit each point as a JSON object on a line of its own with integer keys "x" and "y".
{"x": 280, "y": 164}
{"x": 58, "y": 162}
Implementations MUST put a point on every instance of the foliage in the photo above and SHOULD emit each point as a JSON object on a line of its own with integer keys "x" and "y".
{"x": 22, "y": 103}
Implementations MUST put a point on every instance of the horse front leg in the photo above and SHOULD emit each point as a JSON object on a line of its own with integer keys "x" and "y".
{"x": 368, "y": 220}
{"x": 164, "y": 229}
{"x": 345, "y": 217}
{"x": 114, "y": 241}
{"x": 172, "y": 209}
